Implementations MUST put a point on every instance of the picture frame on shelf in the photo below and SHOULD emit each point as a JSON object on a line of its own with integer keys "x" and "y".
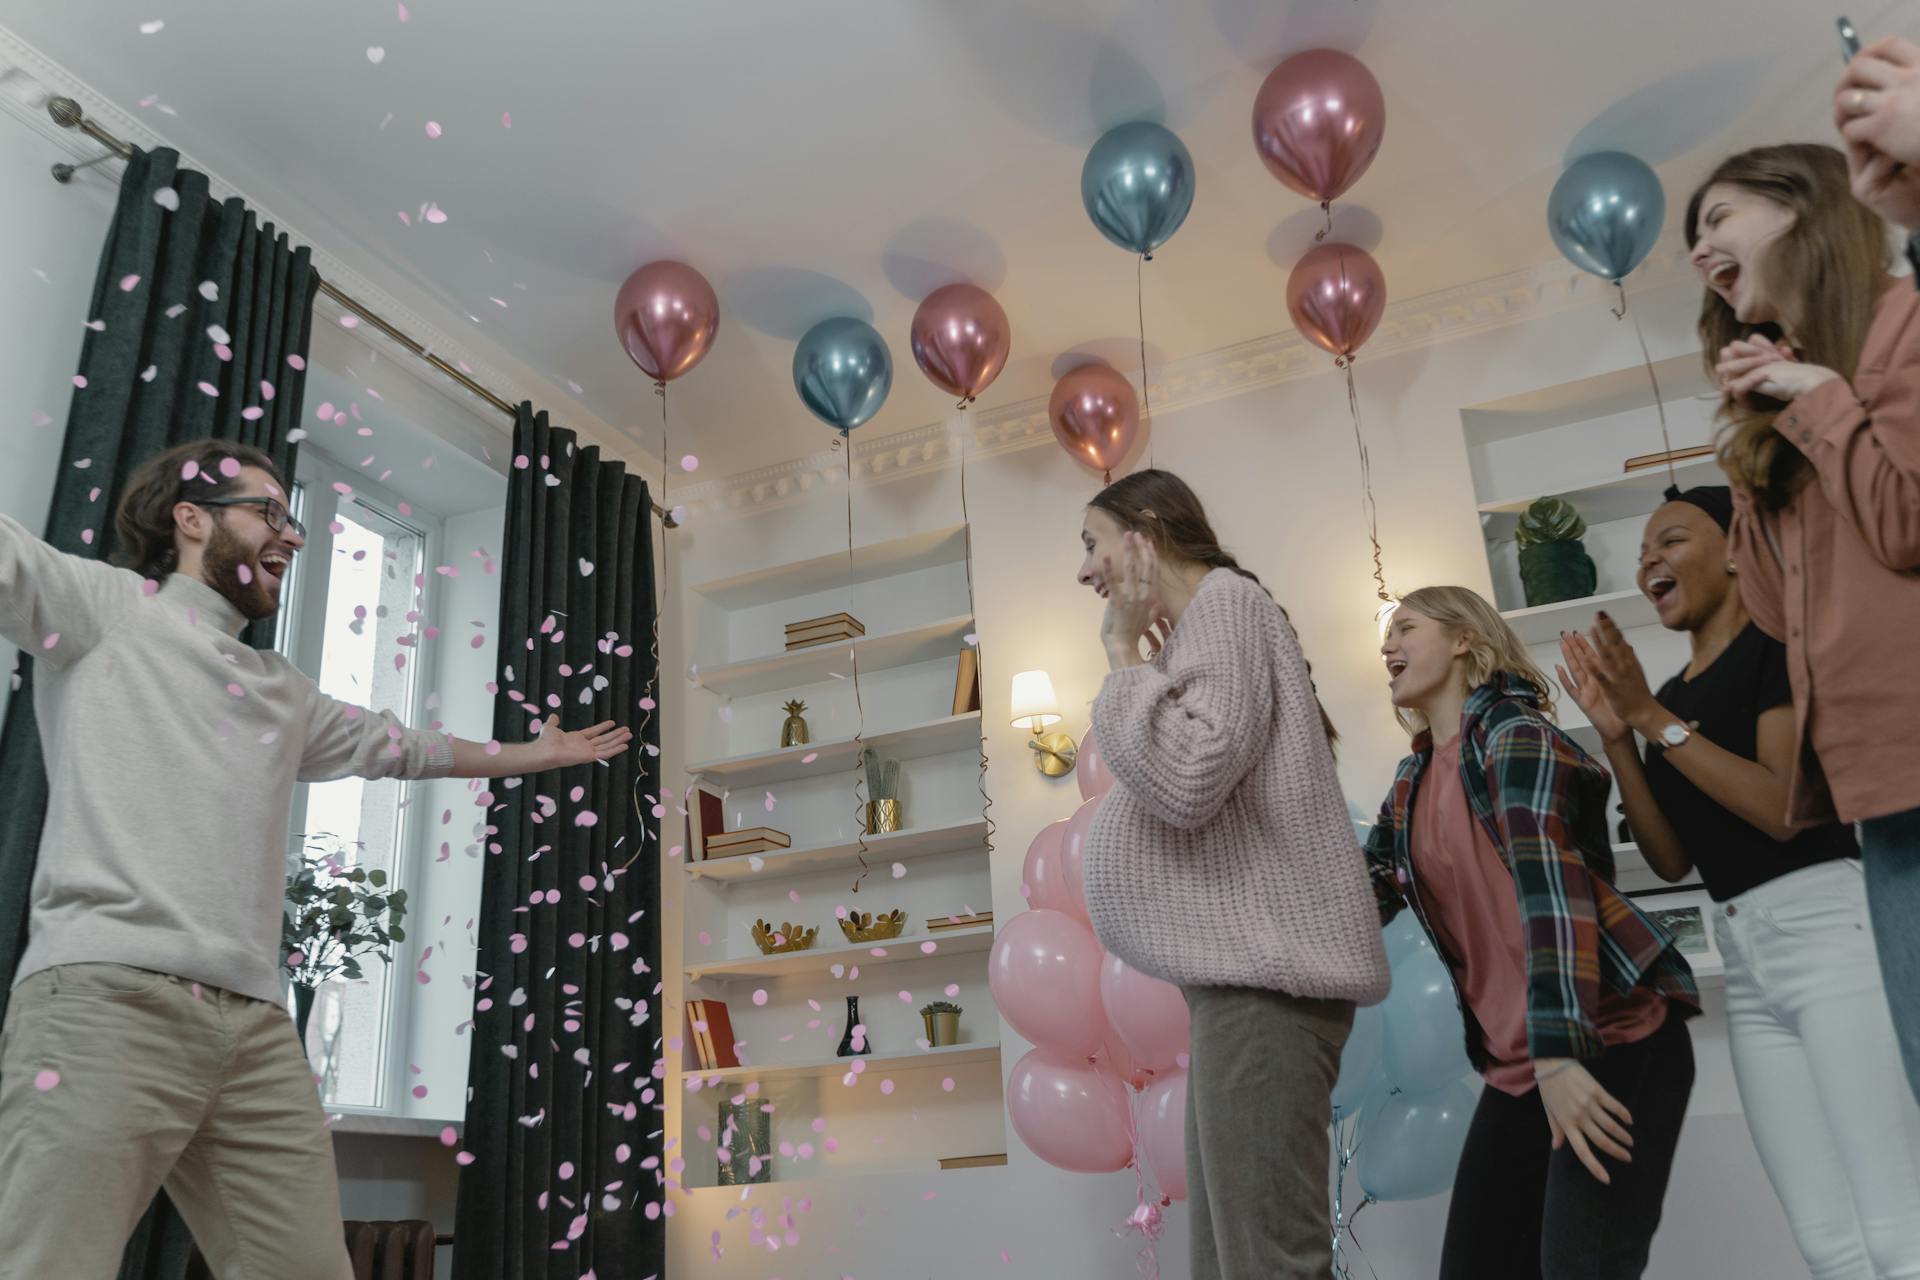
{"x": 1686, "y": 914}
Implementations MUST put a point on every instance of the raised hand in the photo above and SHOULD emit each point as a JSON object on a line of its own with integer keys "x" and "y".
{"x": 1584, "y": 687}
{"x": 564, "y": 747}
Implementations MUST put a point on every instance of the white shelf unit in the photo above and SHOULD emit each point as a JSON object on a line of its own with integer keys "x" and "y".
{"x": 788, "y": 1010}
{"x": 1572, "y": 441}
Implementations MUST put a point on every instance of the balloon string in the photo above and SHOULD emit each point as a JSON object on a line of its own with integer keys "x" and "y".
{"x": 1620, "y": 290}
{"x": 860, "y": 708}
{"x": 659, "y": 596}
{"x": 1146, "y": 397}
{"x": 980, "y": 658}
{"x": 1659, "y": 406}
{"x": 1146, "y": 1217}
{"x": 1372, "y": 510}
{"x": 1326, "y": 207}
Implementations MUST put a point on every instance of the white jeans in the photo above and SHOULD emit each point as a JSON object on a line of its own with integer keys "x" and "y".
{"x": 1819, "y": 1070}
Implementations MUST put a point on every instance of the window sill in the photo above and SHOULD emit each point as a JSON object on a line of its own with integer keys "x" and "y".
{"x": 374, "y": 1124}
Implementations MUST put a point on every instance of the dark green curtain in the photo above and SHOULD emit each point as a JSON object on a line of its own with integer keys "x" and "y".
{"x": 174, "y": 266}
{"x": 564, "y": 1046}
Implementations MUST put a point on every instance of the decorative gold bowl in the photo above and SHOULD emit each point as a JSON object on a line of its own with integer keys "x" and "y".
{"x": 864, "y": 926}
{"x": 788, "y": 937}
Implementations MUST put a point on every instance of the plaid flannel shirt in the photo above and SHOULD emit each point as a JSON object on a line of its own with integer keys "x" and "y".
{"x": 1542, "y": 801}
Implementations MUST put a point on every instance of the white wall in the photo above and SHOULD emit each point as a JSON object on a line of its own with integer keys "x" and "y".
{"x": 52, "y": 236}
{"x": 1278, "y": 473}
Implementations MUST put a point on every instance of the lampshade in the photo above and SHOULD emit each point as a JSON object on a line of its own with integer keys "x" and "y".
{"x": 1034, "y": 706}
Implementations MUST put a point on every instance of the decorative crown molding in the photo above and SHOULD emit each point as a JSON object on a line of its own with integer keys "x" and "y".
{"x": 29, "y": 79}
{"x": 1463, "y": 311}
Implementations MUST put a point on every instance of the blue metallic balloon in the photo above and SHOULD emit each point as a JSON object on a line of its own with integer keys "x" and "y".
{"x": 843, "y": 371}
{"x": 1605, "y": 213}
{"x": 1137, "y": 185}
{"x": 1425, "y": 1044}
{"x": 1410, "y": 1144}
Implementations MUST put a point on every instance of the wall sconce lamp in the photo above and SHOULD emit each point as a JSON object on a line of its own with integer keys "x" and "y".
{"x": 1035, "y": 709}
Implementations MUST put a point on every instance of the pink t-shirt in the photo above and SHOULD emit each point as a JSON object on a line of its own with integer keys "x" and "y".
{"x": 1468, "y": 897}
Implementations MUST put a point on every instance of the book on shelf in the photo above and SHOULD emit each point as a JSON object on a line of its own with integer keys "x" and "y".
{"x": 966, "y": 682}
{"x": 942, "y": 924}
{"x": 973, "y": 1162}
{"x": 712, "y": 1034}
{"x": 734, "y": 844}
{"x": 833, "y": 619}
{"x": 712, "y": 816}
{"x": 1645, "y": 460}
{"x": 813, "y": 639}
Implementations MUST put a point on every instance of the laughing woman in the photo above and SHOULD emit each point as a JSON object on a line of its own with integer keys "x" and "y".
{"x": 1818, "y": 352}
{"x": 1223, "y": 861}
{"x": 1813, "y": 1049}
{"x": 1495, "y": 833}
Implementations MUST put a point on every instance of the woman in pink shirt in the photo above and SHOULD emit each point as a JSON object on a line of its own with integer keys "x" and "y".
{"x": 1818, "y": 351}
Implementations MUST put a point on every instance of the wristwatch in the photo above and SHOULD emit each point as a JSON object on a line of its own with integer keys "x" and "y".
{"x": 1675, "y": 735}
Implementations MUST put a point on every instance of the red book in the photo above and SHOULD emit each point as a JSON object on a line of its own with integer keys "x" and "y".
{"x": 720, "y": 1032}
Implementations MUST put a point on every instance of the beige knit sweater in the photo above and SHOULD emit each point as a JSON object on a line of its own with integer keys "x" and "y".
{"x": 1224, "y": 856}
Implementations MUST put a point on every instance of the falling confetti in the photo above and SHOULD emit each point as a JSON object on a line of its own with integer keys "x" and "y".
{"x": 46, "y": 1080}
{"x": 152, "y": 28}
{"x": 689, "y": 463}
{"x": 167, "y": 198}
{"x": 433, "y": 129}
{"x": 376, "y": 55}
{"x": 506, "y": 119}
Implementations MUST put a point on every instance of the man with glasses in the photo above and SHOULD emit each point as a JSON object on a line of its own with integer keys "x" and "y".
{"x": 145, "y": 1043}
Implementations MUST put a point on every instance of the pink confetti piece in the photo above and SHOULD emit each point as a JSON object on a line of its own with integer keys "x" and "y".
{"x": 435, "y": 214}
{"x": 689, "y": 463}
{"x": 810, "y": 757}
{"x": 449, "y": 1136}
{"x": 647, "y": 704}
{"x": 208, "y": 389}
{"x": 53, "y": 638}
{"x": 886, "y": 1087}
{"x": 46, "y": 1080}
{"x": 253, "y": 413}
{"x": 129, "y": 283}
{"x": 506, "y": 119}
{"x": 403, "y": 13}
{"x": 80, "y": 381}
{"x": 86, "y": 536}
{"x": 769, "y": 802}
{"x": 419, "y": 1091}
{"x": 39, "y": 419}
{"x": 463, "y": 1158}
{"x": 376, "y": 54}
{"x": 760, "y": 997}
{"x": 899, "y": 870}
{"x": 928, "y": 948}
{"x": 433, "y": 129}
{"x": 947, "y": 1084}
{"x": 953, "y": 988}
{"x": 229, "y": 467}
{"x": 236, "y": 690}
{"x": 296, "y": 361}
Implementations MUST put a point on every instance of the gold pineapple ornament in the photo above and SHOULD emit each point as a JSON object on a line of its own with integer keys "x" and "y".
{"x": 794, "y": 732}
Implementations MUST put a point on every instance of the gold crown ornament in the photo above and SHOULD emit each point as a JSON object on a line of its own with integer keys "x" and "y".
{"x": 864, "y": 926}
{"x": 788, "y": 937}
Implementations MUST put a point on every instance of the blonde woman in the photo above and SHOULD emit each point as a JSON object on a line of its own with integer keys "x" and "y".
{"x": 1574, "y": 1001}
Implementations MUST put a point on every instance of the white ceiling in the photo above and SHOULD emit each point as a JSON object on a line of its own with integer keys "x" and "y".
{"x": 846, "y": 156}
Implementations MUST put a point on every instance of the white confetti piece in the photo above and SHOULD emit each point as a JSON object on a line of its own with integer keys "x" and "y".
{"x": 210, "y": 291}
{"x": 167, "y": 198}
{"x": 376, "y": 54}
{"x": 153, "y": 28}
{"x": 219, "y": 335}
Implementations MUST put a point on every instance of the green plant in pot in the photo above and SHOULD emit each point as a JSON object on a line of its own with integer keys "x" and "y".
{"x": 883, "y": 792}
{"x": 336, "y": 916}
{"x": 1554, "y": 564}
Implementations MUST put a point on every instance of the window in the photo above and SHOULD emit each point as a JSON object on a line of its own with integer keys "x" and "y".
{"x": 358, "y": 605}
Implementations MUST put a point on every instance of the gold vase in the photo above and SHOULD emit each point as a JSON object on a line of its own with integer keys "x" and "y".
{"x": 882, "y": 816}
{"x": 943, "y": 1029}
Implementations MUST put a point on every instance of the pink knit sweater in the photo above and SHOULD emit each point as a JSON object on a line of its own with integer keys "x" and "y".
{"x": 1224, "y": 856}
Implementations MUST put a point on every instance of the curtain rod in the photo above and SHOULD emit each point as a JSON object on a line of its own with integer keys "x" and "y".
{"x": 68, "y": 115}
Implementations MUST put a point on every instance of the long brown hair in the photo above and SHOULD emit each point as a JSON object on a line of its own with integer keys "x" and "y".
{"x": 1160, "y": 505}
{"x": 1492, "y": 646}
{"x": 144, "y": 519}
{"x": 1826, "y": 271}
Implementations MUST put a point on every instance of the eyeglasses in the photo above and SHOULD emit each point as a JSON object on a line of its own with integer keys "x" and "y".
{"x": 272, "y": 510}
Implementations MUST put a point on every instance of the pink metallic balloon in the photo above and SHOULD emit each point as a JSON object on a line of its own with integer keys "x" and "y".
{"x": 1044, "y": 875}
{"x": 1044, "y": 973}
{"x": 1163, "y": 1133}
{"x": 1095, "y": 415}
{"x": 1091, "y": 771}
{"x": 1318, "y": 121}
{"x": 1069, "y": 1114}
{"x": 666, "y": 316}
{"x": 960, "y": 339}
{"x": 1148, "y": 1016}
{"x": 1336, "y": 295}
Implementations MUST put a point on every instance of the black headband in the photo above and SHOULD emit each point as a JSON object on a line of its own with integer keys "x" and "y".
{"x": 1714, "y": 499}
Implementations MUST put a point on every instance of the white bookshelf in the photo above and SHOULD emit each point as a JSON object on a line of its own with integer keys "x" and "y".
{"x": 788, "y": 1010}
{"x": 974, "y": 940}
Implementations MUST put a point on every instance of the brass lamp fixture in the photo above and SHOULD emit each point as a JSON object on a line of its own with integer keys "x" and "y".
{"x": 1035, "y": 709}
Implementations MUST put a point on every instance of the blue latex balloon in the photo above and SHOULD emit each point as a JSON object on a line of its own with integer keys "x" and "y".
{"x": 1425, "y": 1042}
{"x": 843, "y": 371}
{"x": 1605, "y": 213}
{"x": 1410, "y": 1144}
{"x": 1360, "y": 1072}
{"x": 1137, "y": 185}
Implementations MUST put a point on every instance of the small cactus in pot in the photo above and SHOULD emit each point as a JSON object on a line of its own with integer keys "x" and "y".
{"x": 883, "y": 792}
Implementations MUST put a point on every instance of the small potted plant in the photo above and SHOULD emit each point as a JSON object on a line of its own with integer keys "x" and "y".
{"x": 883, "y": 792}
{"x": 942, "y": 1019}
{"x": 1554, "y": 564}
{"x": 336, "y": 916}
